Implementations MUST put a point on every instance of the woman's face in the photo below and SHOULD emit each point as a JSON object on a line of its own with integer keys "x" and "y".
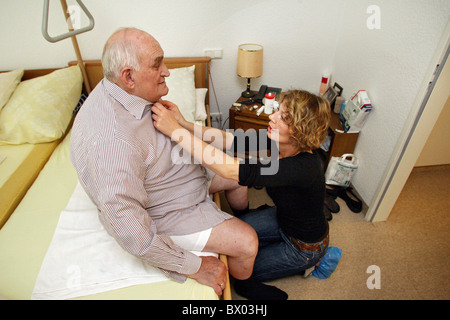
{"x": 278, "y": 129}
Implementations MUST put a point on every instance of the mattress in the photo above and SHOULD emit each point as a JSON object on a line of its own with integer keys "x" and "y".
{"x": 21, "y": 165}
{"x": 26, "y": 236}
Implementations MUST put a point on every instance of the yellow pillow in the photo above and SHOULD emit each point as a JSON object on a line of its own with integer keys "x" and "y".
{"x": 40, "y": 109}
{"x": 8, "y": 83}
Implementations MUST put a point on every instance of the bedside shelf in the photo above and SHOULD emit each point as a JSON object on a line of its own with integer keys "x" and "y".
{"x": 340, "y": 142}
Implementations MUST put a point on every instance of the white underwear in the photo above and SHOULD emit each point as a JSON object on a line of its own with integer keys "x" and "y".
{"x": 194, "y": 241}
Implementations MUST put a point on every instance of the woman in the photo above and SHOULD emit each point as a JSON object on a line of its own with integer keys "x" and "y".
{"x": 293, "y": 234}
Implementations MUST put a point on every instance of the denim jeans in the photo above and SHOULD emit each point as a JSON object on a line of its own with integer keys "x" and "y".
{"x": 277, "y": 257}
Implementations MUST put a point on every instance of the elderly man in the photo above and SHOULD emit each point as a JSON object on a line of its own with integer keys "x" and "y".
{"x": 146, "y": 201}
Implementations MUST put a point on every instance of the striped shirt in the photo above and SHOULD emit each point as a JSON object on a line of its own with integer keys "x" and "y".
{"x": 125, "y": 166}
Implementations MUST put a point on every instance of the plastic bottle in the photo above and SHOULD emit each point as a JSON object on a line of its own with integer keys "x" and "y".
{"x": 268, "y": 103}
{"x": 324, "y": 82}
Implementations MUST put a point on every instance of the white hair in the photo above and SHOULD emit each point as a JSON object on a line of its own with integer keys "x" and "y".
{"x": 119, "y": 53}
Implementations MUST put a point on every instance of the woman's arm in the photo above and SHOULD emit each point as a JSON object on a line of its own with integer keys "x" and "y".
{"x": 209, "y": 156}
{"x": 216, "y": 137}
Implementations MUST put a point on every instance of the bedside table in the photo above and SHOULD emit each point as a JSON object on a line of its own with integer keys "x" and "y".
{"x": 340, "y": 142}
{"x": 244, "y": 118}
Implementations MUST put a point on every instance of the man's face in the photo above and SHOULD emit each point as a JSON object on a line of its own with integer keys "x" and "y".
{"x": 150, "y": 81}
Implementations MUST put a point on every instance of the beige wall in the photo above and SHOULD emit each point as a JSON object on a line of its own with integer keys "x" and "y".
{"x": 437, "y": 148}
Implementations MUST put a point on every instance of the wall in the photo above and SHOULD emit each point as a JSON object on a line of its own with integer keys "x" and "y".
{"x": 301, "y": 38}
{"x": 437, "y": 148}
{"x": 298, "y": 36}
{"x": 390, "y": 63}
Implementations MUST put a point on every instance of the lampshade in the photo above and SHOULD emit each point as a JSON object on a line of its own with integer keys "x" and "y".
{"x": 250, "y": 61}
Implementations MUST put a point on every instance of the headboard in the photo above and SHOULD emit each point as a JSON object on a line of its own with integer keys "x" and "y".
{"x": 34, "y": 73}
{"x": 94, "y": 72}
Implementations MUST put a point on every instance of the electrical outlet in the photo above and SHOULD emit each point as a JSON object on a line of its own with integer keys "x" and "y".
{"x": 216, "y": 117}
{"x": 213, "y": 53}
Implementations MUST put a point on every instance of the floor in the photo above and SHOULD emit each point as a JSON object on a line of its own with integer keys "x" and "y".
{"x": 410, "y": 251}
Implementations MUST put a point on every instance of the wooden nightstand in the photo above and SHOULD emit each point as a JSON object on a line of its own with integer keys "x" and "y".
{"x": 340, "y": 142}
{"x": 244, "y": 118}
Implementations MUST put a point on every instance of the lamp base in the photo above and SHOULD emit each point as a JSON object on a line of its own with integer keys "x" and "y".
{"x": 248, "y": 93}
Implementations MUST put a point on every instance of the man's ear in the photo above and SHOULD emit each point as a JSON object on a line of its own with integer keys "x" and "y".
{"x": 127, "y": 77}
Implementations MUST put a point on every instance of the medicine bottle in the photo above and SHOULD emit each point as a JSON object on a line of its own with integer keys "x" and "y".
{"x": 268, "y": 102}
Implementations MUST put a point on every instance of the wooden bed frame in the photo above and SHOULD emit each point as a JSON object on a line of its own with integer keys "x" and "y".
{"x": 94, "y": 72}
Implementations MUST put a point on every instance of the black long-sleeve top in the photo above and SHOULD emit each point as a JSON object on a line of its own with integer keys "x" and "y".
{"x": 297, "y": 189}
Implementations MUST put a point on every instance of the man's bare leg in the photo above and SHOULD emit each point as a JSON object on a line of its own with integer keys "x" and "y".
{"x": 233, "y": 237}
{"x": 238, "y": 240}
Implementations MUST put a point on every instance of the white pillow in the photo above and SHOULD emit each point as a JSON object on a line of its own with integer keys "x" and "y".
{"x": 181, "y": 84}
{"x": 200, "y": 109}
{"x": 8, "y": 83}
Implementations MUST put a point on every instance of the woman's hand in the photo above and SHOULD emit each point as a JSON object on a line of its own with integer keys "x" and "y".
{"x": 164, "y": 119}
{"x": 174, "y": 110}
{"x": 164, "y": 115}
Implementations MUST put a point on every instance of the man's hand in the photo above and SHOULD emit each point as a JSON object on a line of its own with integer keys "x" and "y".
{"x": 212, "y": 273}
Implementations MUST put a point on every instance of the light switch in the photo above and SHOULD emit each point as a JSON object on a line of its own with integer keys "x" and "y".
{"x": 214, "y": 53}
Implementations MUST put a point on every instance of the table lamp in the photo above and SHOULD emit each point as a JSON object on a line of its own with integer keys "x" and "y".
{"x": 250, "y": 64}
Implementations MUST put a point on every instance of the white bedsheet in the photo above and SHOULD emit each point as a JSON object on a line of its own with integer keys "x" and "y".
{"x": 84, "y": 259}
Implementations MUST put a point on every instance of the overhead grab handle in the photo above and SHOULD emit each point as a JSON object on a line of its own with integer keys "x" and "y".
{"x": 70, "y": 33}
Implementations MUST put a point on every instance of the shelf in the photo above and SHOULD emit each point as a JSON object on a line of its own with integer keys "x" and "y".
{"x": 340, "y": 143}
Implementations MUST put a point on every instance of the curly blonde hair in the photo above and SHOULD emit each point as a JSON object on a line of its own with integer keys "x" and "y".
{"x": 307, "y": 116}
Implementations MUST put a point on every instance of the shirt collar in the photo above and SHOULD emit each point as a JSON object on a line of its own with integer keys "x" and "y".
{"x": 133, "y": 104}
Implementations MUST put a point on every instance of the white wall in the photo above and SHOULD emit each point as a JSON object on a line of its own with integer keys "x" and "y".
{"x": 390, "y": 63}
{"x": 301, "y": 38}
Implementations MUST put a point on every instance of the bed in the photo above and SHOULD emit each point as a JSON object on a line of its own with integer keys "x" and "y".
{"x": 23, "y": 153}
{"x": 26, "y": 239}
